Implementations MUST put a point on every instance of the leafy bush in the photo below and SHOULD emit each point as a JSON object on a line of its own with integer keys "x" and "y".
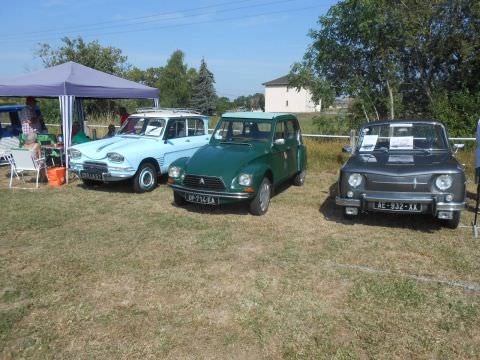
{"x": 459, "y": 111}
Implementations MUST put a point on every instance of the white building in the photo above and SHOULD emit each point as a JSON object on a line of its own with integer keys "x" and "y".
{"x": 281, "y": 98}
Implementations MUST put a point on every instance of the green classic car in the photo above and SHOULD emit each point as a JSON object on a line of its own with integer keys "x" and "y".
{"x": 249, "y": 154}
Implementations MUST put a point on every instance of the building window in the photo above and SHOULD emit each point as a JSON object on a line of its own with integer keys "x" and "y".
{"x": 286, "y": 103}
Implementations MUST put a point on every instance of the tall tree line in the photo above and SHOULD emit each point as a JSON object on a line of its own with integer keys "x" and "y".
{"x": 398, "y": 58}
{"x": 180, "y": 85}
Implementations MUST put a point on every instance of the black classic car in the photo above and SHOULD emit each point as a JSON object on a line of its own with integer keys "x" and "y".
{"x": 403, "y": 167}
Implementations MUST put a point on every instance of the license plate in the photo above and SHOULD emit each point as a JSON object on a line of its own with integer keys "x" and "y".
{"x": 91, "y": 175}
{"x": 397, "y": 206}
{"x": 201, "y": 199}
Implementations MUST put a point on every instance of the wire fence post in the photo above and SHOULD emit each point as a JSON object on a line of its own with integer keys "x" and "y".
{"x": 352, "y": 138}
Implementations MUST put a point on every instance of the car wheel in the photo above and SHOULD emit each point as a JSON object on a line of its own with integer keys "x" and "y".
{"x": 454, "y": 221}
{"x": 178, "y": 199}
{"x": 299, "y": 179}
{"x": 259, "y": 204}
{"x": 90, "y": 183}
{"x": 145, "y": 179}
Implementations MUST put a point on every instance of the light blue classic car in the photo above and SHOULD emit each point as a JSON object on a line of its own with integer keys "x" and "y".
{"x": 143, "y": 148}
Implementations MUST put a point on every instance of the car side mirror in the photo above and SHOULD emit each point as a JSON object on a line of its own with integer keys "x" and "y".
{"x": 347, "y": 149}
{"x": 279, "y": 142}
{"x": 458, "y": 147}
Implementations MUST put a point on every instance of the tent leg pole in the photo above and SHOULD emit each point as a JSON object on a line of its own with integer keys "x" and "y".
{"x": 475, "y": 229}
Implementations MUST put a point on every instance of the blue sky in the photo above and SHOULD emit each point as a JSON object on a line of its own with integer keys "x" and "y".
{"x": 244, "y": 42}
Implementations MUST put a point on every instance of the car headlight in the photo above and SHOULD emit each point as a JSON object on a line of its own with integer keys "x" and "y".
{"x": 355, "y": 179}
{"x": 115, "y": 157}
{"x": 174, "y": 171}
{"x": 74, "y": 153}
{"x": 443, "y": 182}
{"x": 245, "y": 179}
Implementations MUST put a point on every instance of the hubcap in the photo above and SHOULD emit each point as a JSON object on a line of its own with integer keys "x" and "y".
{"x": 146, "y": 178}
{"x": 302, "y": 177}
{"x": 264, "y": 196}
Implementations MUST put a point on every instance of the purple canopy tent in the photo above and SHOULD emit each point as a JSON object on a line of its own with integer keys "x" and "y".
{"x": 70, "y": 81}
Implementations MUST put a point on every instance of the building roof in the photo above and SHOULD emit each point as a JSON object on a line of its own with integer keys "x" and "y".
{"x": 253, "y": 115}
{"x": 277, "y": 82}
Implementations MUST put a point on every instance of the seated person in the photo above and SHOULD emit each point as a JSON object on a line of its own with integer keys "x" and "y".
{"x": 111, "y": 131}
{"x": 31, "y": 143}
{"x": 80, "y": 138}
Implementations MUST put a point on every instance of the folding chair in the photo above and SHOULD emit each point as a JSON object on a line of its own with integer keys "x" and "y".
{"x": 23, "y": 161}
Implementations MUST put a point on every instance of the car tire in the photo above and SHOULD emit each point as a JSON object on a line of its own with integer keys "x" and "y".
{"x": 454, "y": 221}
{"x": 145, "y": 178}
{"x": 178, "y": 199}
{"x": 259, "y": 205}
{"x": 90, "y": 183}
{"x": 299, "y": 179}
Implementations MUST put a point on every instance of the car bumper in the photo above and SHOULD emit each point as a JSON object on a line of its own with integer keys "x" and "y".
{"x": 110, "y": 175}
{"x": 430, "y": 203}
{"x": 223, "y": 196}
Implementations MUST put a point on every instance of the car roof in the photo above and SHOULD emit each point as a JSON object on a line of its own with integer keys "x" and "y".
{"x": 255, "y": 115}
{"x": 11, "y": 108}
{"x": 166, "y": 114}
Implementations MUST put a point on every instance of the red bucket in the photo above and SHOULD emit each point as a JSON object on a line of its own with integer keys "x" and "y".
{"x": 56, "y": 176}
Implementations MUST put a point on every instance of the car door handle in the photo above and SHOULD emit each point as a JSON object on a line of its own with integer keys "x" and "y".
{"x": 188, "y": 140}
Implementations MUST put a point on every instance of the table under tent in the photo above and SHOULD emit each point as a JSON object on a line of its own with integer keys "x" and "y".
{"x": 71, "y": 83}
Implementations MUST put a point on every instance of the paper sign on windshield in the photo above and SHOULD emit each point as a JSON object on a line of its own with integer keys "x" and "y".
{"x": 401, "y": 143}
{"x": 369, "y": 142}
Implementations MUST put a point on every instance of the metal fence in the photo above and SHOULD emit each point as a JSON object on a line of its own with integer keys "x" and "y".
{"x": 313, "y": 136}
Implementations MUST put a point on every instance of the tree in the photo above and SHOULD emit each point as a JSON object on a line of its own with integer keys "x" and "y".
{"x": 250, "y": 102}
{"x": 223, "y": 104}
{"x": 104, "y": 58}
{"x": 404, "y": 58}
{"x": 203, "y": 92}
{"x": 174, "y": 84}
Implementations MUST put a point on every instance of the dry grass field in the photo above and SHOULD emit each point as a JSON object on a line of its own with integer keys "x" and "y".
{"x": 107, "y": 274}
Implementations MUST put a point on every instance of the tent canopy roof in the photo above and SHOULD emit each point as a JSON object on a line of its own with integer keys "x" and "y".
{"x": 75, "y": 79}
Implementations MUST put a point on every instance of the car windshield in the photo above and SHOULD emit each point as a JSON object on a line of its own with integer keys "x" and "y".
{"x": 242, "y": 130}
{"x": 402, "y": 136}
{"x": 143, "y": 126}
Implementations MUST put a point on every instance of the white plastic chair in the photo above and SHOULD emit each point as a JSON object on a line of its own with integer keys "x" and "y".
{"x": 23, "y": 161}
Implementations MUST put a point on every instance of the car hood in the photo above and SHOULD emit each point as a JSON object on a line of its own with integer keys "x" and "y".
{"x": 223, "y": 160}
{"x": 122, "y": 144}
{"x": 399, "y": 163}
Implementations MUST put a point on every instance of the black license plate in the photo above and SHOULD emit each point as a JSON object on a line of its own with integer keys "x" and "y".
{"x": 201, "y": 199}
{"x": 397, "y": 206}
{"x": 91, "y": 175}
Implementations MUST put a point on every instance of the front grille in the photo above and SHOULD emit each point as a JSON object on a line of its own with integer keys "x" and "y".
{"x": 413, "y": 183}
{"x": 204, "y": 182}
{"x": 96, "y": 166}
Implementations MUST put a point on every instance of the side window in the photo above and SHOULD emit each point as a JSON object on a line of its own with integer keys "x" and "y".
{"x": 292, "y": 129}
{"x": 280, "y": 130}
{"x": 176, "y": 129}
{"x": 289, "y": 130}
{"x": 196, "y": 127}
